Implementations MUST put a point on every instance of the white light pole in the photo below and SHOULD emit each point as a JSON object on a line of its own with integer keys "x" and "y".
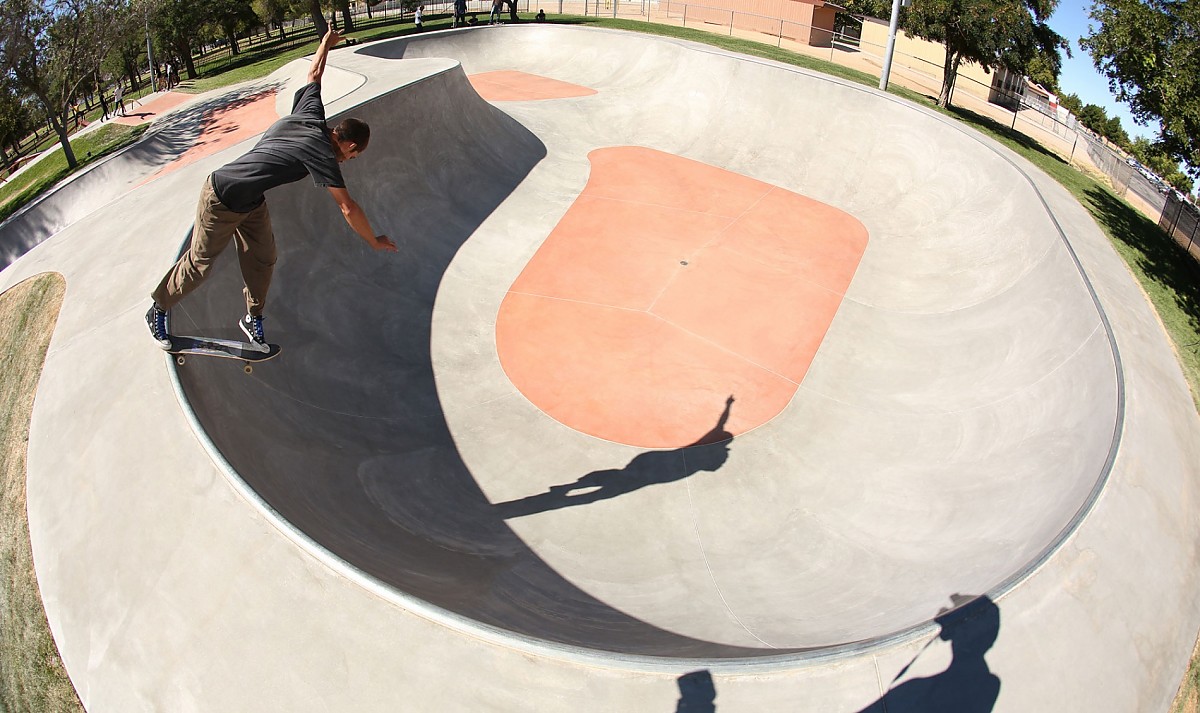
{"x": 149, "y": 54}
{"x": 891, "y": 45}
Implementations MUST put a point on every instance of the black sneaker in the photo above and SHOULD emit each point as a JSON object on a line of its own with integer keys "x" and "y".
{"x": 157, "y": 320}
{"x": 252, "y": 327}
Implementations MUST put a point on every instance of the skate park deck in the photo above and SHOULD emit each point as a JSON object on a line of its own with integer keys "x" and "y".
{"x": 990, "y": 410}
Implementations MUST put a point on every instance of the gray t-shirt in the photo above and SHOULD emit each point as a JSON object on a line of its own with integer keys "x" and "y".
{"x": 293, "y": 147}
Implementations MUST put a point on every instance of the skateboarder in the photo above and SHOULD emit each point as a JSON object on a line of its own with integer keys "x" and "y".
{"x": 232, "y": 206}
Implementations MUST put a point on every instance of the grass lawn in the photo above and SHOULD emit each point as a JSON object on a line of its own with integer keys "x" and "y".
{"x": 1168, "y": 275}
{"x": 31, "y": 675}
{"x": 44, "y": 174}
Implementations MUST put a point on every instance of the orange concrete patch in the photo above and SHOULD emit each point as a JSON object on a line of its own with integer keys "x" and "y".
{"x": 224, "y": 127}
{"x": 668, "y": 286}
{"x": 511, "y": 85}
{"x": 151, "y": 110}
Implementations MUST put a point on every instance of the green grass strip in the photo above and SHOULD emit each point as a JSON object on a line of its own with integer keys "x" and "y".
{"x": 41, "y": 176}
{"x": 32, "y": 677}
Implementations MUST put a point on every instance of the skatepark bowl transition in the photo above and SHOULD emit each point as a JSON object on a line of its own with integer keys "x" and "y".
{"x": 687, "y": 362}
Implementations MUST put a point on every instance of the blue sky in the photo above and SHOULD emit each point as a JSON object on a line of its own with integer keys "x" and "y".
{"x": 1079, "y": 76}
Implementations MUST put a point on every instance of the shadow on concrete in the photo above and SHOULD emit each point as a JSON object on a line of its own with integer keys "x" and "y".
{"x": 967, "y": 685}
{"x": 708, "y": 453}
{"x": 697, "y": 694}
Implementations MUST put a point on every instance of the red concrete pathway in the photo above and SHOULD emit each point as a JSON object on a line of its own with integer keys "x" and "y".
{"x": 511, "y": 85}
{"x": 152, "y": 109}
{"x": 667, "y": 287}
{"x": 226, "y": 126}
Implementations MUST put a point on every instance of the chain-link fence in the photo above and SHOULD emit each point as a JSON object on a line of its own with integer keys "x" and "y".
{"x": 1181, "y": 220}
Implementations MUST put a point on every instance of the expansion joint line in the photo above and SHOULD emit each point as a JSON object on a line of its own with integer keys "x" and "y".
{"x": 708, "y": 565}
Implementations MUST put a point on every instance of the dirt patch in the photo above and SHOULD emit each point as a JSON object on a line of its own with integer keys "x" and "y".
{"x": 32, "y": 677}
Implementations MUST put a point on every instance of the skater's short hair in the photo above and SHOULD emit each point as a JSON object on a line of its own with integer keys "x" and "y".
{"x": 354, "y": 131}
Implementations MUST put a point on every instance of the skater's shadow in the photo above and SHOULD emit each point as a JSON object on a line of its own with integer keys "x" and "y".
{"x": 709, "y": 452}
{"x": 967, "y": 685}
{"x": 697, "y": 694}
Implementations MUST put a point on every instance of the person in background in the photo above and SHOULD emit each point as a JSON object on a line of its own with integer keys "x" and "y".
{"x": 119, "y": 98}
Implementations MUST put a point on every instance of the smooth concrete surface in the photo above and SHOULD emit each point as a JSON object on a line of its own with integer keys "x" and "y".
{"x": 994, "y": 411}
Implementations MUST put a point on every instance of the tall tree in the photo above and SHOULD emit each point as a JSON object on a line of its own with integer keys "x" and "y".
{"x": 51, "y": 48}
{"x": 1115, "y": 132}
{"x": 1094, "y": 117}
{"x": 177, "y": 25}
{"x": 991, "y": 33}
{"x": 1150, "y": 52}
{"x": 1072, "y": 102}
{"x": 274, "y": 12}
{"x": 14, "y": 118}
{"x": 233, "y": 17}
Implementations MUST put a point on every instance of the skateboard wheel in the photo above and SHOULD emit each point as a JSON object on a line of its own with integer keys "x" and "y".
{"x": 180, "y": 360}
{"x": 248, "y": 369}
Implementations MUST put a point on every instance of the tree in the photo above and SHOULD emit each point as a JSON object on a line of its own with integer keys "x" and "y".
{"x": 177, "y": 25}
{"x": 1150, "y": 52}
{"x": 1072, "y": 102}
{"x": 1044, "y": 71}
{"x": 1094, "y": 117}
{"x": 991, "y": 33}
{"x": 274, "y": 12}
{"x": 232, "y": 16}
{"x": 15, "y": 121}
{"x": 870, "y": 8}
{"x": 1115, "y": 133}
{"x": 51, "y": 49}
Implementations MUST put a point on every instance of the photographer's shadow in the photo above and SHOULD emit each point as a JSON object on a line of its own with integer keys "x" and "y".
{"x": 968, "y": 685}
{"x": 709, "y": 452}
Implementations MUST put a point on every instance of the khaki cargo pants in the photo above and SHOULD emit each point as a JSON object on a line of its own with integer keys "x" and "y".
{"x": 215, "y": 226}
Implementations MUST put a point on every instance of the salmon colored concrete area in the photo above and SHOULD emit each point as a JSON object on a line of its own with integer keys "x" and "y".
{"x": 231, "y": 124}
{"x": 151, "y": 110}
{"x": 668, "y": 286}
{"x": 511, "y": 85}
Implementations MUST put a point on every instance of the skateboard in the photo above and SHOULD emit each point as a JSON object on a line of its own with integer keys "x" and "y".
{"x": 224, "y": 348}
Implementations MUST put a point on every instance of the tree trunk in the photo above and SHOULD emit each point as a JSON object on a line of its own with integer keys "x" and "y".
{"x": 131, "y": 73}
{"x": 347, "y": 18}
{"x": 231, "y": 38}
{"x": 314, "y": 9}
{"x": 60, "y": 124}
{"x": 949, "y": 75}
{"x": 184, "y": 49}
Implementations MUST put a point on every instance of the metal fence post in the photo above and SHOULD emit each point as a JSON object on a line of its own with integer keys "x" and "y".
{"x": 731, "y": 23}
{"x": 685, "y": 7}
{"x": 780, "y": 43}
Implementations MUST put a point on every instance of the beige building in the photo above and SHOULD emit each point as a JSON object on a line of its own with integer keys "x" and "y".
{"x": 925, "y": 57}
{"x": 806, "y": 21}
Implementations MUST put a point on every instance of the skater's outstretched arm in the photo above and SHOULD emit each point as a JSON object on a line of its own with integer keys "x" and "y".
{"x": 317, "y": 68}
{"x": 356, "y": 218}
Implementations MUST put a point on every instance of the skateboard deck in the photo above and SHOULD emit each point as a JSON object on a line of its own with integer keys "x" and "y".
{"x": 182, "y": 346}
